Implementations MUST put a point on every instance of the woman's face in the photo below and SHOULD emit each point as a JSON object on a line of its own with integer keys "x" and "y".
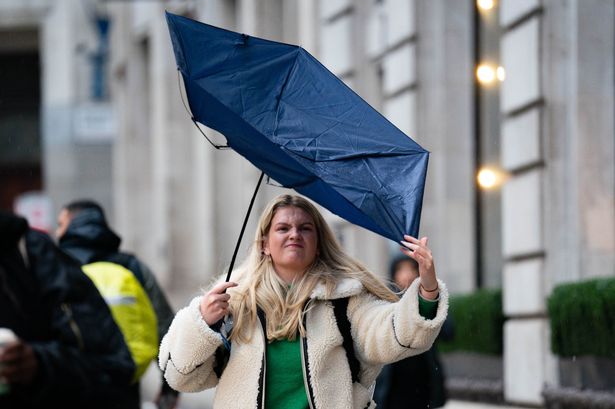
{"x": 291, "y": 241}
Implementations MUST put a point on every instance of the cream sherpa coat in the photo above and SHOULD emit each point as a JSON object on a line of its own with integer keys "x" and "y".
{"x": 383, "y": 332}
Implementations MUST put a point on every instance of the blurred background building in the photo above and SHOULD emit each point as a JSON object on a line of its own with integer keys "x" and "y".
{"x": 513, "y": 98}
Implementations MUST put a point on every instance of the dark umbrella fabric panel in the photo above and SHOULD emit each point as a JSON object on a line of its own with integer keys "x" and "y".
{"x": 292, "y": 118}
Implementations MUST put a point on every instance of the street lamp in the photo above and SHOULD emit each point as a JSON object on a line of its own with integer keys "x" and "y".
{"x": 489, "y": 178}
{"x": 485, "y": 4}
{"x": 487, "y": 73}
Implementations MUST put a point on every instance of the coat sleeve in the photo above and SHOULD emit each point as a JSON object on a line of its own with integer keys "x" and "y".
{"x": 187, "y": 351}
{"x": 386, "y": 332}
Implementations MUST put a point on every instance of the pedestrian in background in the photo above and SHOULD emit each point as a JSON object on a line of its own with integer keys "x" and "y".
{"x": 66, "y": 352}
{"x": 286, "y": 347}
{"x": 83, "y": 233}
{"x": 416, "y": 382}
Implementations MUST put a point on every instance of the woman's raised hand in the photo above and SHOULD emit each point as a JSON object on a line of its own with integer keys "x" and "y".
{"x": 214, "y": 304}
{"x": 418, "y": 250}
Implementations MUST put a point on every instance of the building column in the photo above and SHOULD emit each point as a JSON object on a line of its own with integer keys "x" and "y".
{"x": 557, "y": 139}
{"x": 526, "y": 339}
{"x": 579, "y": 52}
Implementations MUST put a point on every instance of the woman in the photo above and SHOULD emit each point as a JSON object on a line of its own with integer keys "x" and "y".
{"x": 287, "y": 349}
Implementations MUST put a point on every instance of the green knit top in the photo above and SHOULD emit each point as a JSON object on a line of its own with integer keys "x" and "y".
{"x": 284, "y": 386}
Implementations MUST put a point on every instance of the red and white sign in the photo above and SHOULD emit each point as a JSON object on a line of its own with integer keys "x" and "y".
{"x": 36, "y": 208}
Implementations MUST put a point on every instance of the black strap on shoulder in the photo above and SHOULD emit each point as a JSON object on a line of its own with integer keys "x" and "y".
{"x": 261, "y": 376}
{"x": 221, "y": 357}
{"x": 340, "y": 307}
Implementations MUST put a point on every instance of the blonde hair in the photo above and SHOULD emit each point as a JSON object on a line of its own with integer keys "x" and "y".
{"x": 283, "y": 305}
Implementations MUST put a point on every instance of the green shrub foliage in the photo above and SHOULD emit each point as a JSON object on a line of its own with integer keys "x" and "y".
{"x": 583, "y": 318}
{"x": 478, "y": 322}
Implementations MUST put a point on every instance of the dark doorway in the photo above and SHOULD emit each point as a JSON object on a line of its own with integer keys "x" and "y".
{"x": 20, "y": 135}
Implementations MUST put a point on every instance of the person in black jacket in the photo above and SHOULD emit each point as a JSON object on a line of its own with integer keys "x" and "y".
{"x": 84, "y": 234}
{"x": 69, "y": 352}
{"x": 416, "y": 382}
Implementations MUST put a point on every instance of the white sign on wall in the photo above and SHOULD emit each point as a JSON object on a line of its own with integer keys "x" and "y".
{"x": 94, "y": 122}
{"x": 36, "y": 208}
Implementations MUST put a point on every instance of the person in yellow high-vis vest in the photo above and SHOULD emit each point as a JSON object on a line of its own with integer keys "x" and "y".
{"x": 136, "y": 300}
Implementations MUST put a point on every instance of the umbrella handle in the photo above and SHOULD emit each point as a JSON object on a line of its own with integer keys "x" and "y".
{"x": 243, "y": 228}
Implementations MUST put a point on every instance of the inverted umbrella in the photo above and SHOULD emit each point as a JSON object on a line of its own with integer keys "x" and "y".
{"x": 296, "y": 121}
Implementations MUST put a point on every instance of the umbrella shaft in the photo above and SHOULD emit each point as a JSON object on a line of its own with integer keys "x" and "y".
{"x": 243, "y": 228}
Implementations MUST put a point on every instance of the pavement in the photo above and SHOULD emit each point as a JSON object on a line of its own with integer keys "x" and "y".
{"x": 456, "y": 404}
{"x": 203, "y": 401}
{"x": 150, "y": 384}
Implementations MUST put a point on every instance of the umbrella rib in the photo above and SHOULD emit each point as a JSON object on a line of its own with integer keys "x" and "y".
{"x": 352, "y": 156}
{"x": 241, "y": 97}
{"x": 222, "y": 147}
{"x": 279, "y": 100}
{"x": 181, "y": 39}
{"x": 392, "y": 216}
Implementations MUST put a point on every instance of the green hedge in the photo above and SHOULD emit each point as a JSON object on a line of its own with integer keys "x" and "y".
{"x": 583, "y": 318}
{"x": 478, "y": 322}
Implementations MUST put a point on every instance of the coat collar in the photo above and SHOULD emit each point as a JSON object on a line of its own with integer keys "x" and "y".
{"x": 346, "y": 287}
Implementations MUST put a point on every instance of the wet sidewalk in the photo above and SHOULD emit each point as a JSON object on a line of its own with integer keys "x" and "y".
{"x": 456, "y": 404}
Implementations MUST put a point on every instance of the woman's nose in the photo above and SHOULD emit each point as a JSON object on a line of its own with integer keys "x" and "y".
{"x": 294, "y": 233}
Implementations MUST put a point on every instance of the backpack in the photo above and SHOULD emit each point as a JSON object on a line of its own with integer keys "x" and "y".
{"x": 340, "y": 307}
{"x": 131, "y": 309}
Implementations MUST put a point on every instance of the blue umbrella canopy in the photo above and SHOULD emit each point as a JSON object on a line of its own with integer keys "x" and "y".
{"x": 301, "y": 125}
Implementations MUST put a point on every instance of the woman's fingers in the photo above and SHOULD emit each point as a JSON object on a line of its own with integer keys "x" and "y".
{"x": 215, "y": 303}
{"x": 222, "y": 287}
{"x": 411, "y": 239}
{"x": 218, "y": 302}
{"x": 407, "y": 252}
{"x": 423, "y": 251}
{"x": 422, "y": 241}
{"x": 409, "y": 245}
{"x": 219, "y": 297}
{"x": 413, "y": 254}
{"x": 220, "y": 310}
{"x": 19, "y": 362}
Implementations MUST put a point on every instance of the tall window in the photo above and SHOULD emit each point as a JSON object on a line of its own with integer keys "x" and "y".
{"x": 488, "y": 76}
